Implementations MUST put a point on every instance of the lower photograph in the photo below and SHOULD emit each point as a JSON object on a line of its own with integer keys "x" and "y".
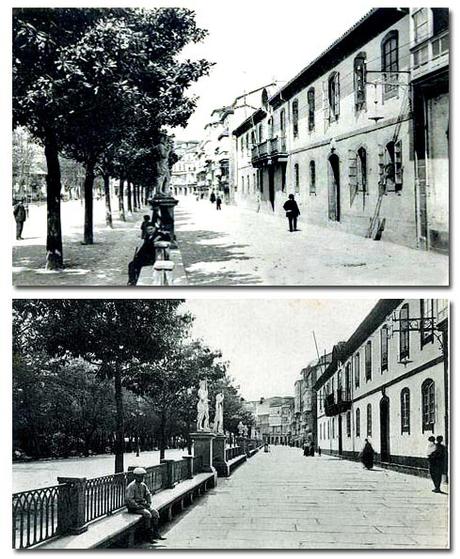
{"x": 230, "y": 424}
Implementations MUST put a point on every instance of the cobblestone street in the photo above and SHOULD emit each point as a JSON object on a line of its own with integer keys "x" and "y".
{"x": 286, "y": 500}
{"x": 241, "y": 247}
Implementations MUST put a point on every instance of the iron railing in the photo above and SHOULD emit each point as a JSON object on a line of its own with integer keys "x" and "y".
{"x": 233, "y": 452}
{"x": 104, "y": 495}
{"x": 34, "y": 516}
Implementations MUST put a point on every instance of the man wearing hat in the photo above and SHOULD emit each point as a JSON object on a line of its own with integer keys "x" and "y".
{"x": 138, "y": 501}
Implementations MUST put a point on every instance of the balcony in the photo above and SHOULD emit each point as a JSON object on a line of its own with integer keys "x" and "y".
{"x": 430, "y": 55}
{"x": 337, "y": 402}
{"x": 270, "y": 151}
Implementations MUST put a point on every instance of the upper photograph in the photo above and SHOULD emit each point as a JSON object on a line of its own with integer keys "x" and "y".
{"x": 248, "y": 147}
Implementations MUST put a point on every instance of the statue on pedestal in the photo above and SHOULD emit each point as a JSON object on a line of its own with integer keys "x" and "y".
{"x": 162, "y": 168}
{"x": 245, "y": 431}
{"x": 240, "y": 428}
{"x": 202, "y": 422}
{"x": 219, "y": 417}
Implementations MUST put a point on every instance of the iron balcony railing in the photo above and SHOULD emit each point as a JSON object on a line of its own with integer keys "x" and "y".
{"x": 269, "y": 148}
{"x": 337, "y": 402}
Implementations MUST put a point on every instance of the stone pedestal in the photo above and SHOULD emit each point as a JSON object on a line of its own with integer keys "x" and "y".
{"x": 243, "y": 443}
{"x": 163, "y": 205}
{"x": 218, "y": 456}
{"x": 71, "y": 505}
{"x": 203, "y": 449}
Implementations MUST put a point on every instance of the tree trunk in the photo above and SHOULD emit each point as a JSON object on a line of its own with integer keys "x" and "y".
{"x": 108, "y": 206}
{"x": 54, "y": 255}
{"x": 88, "y": 188}
{"x": 120, "y": 426}
{"x": 121, "y": 200}
{"x": 135, "y": 197}
{"x": 129, "y": 196}
{"x": 162, "y": 435}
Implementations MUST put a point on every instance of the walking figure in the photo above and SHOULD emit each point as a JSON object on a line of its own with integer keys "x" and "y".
{"x": 292, "y": 212}
{"x": 367, "y": 455}
{"x": 438, "y": 464}
{"x": 218, "y": 203}
{"x": 139, "y": 501}
{"x": 19, "y": 212}
{"x": 212, "y": 197}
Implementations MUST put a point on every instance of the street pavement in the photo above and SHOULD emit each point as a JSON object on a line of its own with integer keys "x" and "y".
{"x": 237, "y": 246}
{"x": 283, "y": 500}
{"x": 43, "y": 473}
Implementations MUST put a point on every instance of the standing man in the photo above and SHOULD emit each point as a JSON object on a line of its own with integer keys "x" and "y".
{"x": 438, "y": 464}
{"x": 19, "y": 212}
{"x": 139, "y": 501}
{"x": 218, "y": 203}
{"x": 292, "y": 212}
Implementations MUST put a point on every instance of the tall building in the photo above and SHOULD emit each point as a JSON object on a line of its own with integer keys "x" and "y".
{"x": 183, "y": 173}
{"x": 388, "y": 383}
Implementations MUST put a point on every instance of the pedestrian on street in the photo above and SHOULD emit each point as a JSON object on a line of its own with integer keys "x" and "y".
{"x": 306, "y": 450}
{"x": 212, "y": 197}
{"x": 367, "y": 455}
{"x": 266, "y": 447}
{"x": 431, "y": 447}
{"x": 438, "y": 464}
{"x": 292, "y": 212}
{"x": 19, "y": 212}
{"x": 144, "y": 226}
{"x": 139, "y": 501}
{"x": 319, "y": 451}
{"x": 145, "y": 255}
{"x": 218, "y": 203}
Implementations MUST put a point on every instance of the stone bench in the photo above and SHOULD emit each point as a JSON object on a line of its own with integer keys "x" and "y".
{"x": 105, "y": 531}
{"x": 153, "y": 275}
{"x": 237, "y": 461}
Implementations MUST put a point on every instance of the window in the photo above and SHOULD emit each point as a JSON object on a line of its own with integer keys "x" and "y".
{"x": 369, "y": 420}
{"x": 426, "y": 323}
{"x": 295, "y": 118}
{"x": 359, "y": 80}
{"x": 361, "y": 170}
{"x": 405, "y": 410}
{"x": 421, "y": 25}
{"x": 357, "y": 423}
{"x": 296, "y": 177}
{"x": 428, "y": 405}
{"x": 368, "y": 360}
{"x": 404, "y": 332}
{"x": 348, "y": 424}
{"x": 311, "y": 109}
{"x": 384, "y": 349}
{"x": 270, "y": 127}
{"x": 282, "y": 121}
{"x": 312, "y": 178}
{"x": 390, "y": 63}
{"x": 390, "y": 164}
{"x": 334, "y": 95}
{"x": 357, "y": 371}
{"x": 261, "y": 133}
{"x": 440, "y": 20}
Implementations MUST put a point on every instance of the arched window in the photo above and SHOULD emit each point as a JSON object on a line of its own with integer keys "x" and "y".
{"x": 334, "y": 95}
{"x": 361, "y": 170}
{"x": 311, "y": 108}
{"x": 357, "y": 370}
{"x": 390, "y": 62}
{"x": 391, "y": 166}
{"x": 404, "y": 332}
{"x": 405, "y": 410}
{"x": 368, "y": 360}
{"x": 282, "y": 121}
{"x": 359, "y": 80}
{"x": 312, "y": 178}
{"x": 428, "y": 405}
{"x": 384, "y": 349}
{"x": 295, "y": 118}
{"x": 296, "y": 177}
{"x": 348, "y": 424}
{"x": 357, "y": 423}
{"x": 369, "y": 420}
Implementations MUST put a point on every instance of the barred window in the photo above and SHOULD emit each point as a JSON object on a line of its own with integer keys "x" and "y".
{"x": 312, "y": 178}
{"x": 369, "y": 420}
{"x": 297, "y": 177}
{"x": 295, "y": 118}
{"x": 405, "y": 410}
{"x": 334, "y": 95}
{"x": 390, "y": 62}
{"x": 282, "y": 120}
{"x": 311, "y": 109}
{"x": 358, "y": 423}
{"x": 368, "y": 360}
{"x": 404, "y": 332}
{"x": 348, "y": 424}
{"x": 428, "y": 405}
{"x": 359, "y": 80}
{"x": 384, "y": 349}
{"x": 357, "y": 370}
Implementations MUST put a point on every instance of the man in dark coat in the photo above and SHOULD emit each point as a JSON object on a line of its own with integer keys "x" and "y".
{"x": 19, "y": 216}
{"x": 438, "y": 464}
{"x": 367, "y": 455}
{"x": 292, "y": 212}
{"x": 145, "y": 255}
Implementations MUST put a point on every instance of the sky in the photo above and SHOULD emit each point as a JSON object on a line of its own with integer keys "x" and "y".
{"x": 253, "y": 42}
{"x": 269, "y": 341}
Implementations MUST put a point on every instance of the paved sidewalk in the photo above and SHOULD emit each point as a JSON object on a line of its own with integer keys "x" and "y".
{"x": 236, "y": 246}
{"x": 288, "y": 501}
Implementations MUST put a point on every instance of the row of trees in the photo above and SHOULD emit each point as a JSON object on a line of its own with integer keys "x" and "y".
{"x": 87, "y": 374}
{"x": 99, "y": 85}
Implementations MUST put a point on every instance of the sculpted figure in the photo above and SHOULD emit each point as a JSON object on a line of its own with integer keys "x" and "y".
{"x": 162, "y": 169}
{"x": 219, "y": 417}
{"x": 202, "y": 422}
{"x": 240, "y": 429}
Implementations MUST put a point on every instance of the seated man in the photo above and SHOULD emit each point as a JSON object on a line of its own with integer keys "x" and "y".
{"x": 145, "y": 255}
{"x": 139, "y": 500}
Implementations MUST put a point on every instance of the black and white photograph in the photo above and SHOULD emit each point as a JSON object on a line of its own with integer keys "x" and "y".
{"x": 187, "y": 424}
{"x": 230, "y": 144}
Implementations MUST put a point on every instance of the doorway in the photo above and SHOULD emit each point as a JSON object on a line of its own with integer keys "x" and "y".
{"x": 334, "y": 188}
{"x": 385, "y": 429}
{"x": 340, "y": 436}
{"x": 271, "y": 185}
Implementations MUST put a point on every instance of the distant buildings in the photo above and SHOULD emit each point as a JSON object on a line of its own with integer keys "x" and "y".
{"x": 184, "y": 171}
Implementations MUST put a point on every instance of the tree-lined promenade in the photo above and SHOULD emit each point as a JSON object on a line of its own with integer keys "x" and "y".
{"x": 105, "y": 376}
{"x": 98, "y": 87}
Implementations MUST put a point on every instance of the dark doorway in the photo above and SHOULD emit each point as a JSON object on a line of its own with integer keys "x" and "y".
{"x": 334, "y": 188}
{"x": 271, "y": 185}
{"x": 385, "y": 429}
{"x": 340, "y": 436}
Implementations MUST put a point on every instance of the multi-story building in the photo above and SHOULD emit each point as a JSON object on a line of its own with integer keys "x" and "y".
{"x": 183, "y": 173}
{"x": 339, "y": 136}
{"x": 389, "y": 384}
{"x": 430, "y": 91}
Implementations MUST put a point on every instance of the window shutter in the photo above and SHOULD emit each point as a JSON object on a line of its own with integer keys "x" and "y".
{"x": 325, "y": 104}
{"x": 352, "y": 175}
{"x": 398, "y": 166}
{"x": 381, "y": 153}
{"x": 337, "y": 94}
